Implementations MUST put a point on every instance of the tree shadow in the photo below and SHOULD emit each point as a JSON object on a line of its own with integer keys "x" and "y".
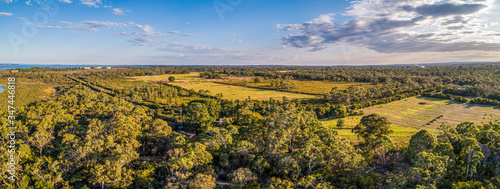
{"x": 437, "y": 100}
{"x": 470, "y": 106}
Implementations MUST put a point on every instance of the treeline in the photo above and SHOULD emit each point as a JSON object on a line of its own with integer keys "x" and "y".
{"x": 478, "y": 90}
{"x": 45, "y": 77}
{"x": 479, "y": 80}
{"x": 483, "y": 79}
{"x": 478, "y": 100}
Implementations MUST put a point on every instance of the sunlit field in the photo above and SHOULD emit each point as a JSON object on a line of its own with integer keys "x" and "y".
{"x": 308, "y": 87}
{"x": 193, "y": 81}
{"x": 410, "y": 115}
{"x": 429, "y": 113}
{"x": 400, "y": 133}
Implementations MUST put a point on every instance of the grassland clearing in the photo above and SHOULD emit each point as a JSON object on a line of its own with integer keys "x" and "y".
{"x": 400, "y": 133}
{"x": 410, "y": 115}
{"x": 429, "y": 113}
{"x": 300, "y": 86}
{"x": 193, "y": 81}
{"x": 238, "y": 92}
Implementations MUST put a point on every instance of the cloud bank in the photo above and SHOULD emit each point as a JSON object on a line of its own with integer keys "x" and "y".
{"x": 396, "y": 26}
{"x": 143, "y": 35}
{"x": 120, "y": 11}
{"x": 6, "y": 14}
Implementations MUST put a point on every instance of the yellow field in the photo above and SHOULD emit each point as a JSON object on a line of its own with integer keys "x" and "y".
{"x": 409, "y": 113}
{"x": 193, "y": 81}
{"x": 400, "y": 134}
{"x": 408, "y": 116}
{"x": 309, "y": 87}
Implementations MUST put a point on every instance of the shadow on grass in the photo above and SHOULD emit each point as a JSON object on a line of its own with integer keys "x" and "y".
{"x": 448, "y": 101}
{"x": 429, "y": 98}
{"x": 470, "y": 106}
{"x": 467, "y": 105}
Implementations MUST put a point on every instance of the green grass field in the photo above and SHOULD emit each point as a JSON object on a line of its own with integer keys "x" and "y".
{"x": 309, "y": 87}
{"x": 400, "y": 134}
{"x": 424, "y": 112}
{"x": 193, "y": 81}
{"x": 408, "y": 116}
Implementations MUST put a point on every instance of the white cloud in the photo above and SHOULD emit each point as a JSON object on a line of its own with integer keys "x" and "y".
{"x": 195, "y": 48}
{"x": 401, "y": 26}
{"x": 220, "y": 56}
{"x": 148, "y": 36}
{"x": 28, "y": 2}
{"x": 6, "y": 14}
{"x": 91, "y": 3}
{"x": 6, "y": 1}
{"x": 144, "y": 34}
{"x": 120, "y": 11}
{"x": 91, "y": 26}
{"x": 65, "y": 22}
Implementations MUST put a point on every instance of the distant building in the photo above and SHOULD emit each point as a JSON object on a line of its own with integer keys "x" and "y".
{"x": 108, "y": 68}
{"x": 14, "y": 71}
{"x": 86, "y": 68}
{"x": 96, "y": 68}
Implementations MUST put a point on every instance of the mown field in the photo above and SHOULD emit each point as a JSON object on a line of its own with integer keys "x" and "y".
{"x": 193, "y": 81}
{"x": 410, "y": 115}
{"x": 400, "y": 134}
{"x": 429, "y": 113}
{"x": 308, "y": 87}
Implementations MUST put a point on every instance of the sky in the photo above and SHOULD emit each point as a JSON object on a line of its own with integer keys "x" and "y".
{"x": 249, "y": 32}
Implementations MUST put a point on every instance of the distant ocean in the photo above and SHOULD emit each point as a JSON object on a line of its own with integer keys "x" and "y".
{"x": 25, "y": 66}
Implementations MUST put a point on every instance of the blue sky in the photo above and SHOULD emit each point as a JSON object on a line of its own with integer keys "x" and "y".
{"x": 244, "y": 32}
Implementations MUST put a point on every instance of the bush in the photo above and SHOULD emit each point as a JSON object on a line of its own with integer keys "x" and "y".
{"x": 341, "y": 123}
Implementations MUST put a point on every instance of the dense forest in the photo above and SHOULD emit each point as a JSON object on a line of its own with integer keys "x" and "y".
{"x": 100, "y": 129}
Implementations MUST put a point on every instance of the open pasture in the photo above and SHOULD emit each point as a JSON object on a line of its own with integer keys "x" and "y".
{"x": 410, "y": 115}
{"x": 300, "y": 86}
{"x": 400, "y": 134}
{"x": 238, "y": 92}
{"x": 193, "y": 81}
{"x": 429, "y": 113}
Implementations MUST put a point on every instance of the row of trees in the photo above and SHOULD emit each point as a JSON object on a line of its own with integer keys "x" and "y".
{"x": 478, "y": 100}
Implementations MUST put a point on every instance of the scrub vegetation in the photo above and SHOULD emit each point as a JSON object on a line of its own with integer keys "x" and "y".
{"x": 254, "y": 127}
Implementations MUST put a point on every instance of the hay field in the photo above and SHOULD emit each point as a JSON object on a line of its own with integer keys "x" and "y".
{"x": 410, "y": 115}
{"x": 429, "y": 113}
{"x": 309, "y": 87}
{"x": 193, "y": 81}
